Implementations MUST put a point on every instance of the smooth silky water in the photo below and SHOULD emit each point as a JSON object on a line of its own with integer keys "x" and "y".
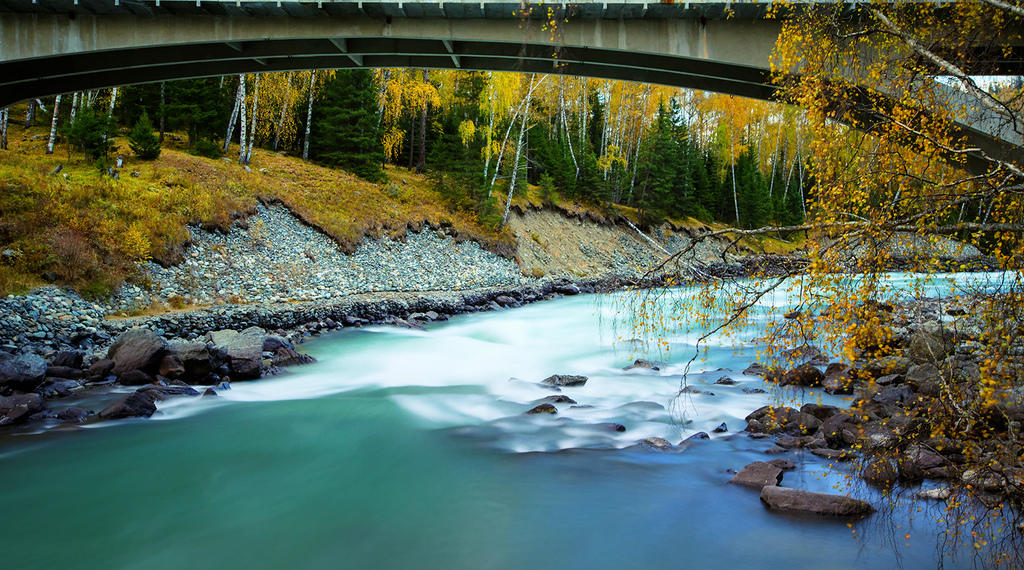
{"x": 408, "y": 449}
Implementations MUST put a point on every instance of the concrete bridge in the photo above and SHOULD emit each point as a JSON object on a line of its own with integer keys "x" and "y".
{"x": 52, "y": 46}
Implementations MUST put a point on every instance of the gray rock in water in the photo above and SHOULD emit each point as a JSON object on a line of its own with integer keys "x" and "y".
{"x": 16, "y": 409}
{"x": 274, "y": 342}
{"x": 244, "y": 353}
{"x": 159, "y": 393}
{"x": 797, "y": 501}
{"x": 655, "y": 443}
{"x": 648, "y": 364}
{"x": 285, "y": 356}
{"x": 137, "y": 349}
{"x": 726, "y": 381}
{"x": 542, "y": 409}
{"x": 134, "y": 405}
{"x": 564, "y": 380}
{"x": 555, "y": 399}
{"x": 784, "y": 464}
{"x": 23, "y": 372}
{"x": 195, "y": 358}
{"x": 757, "y": 475}
{"x": 721, "y": 428}
{"x": 73, "y": 415}
{"x": 171, "y": 366}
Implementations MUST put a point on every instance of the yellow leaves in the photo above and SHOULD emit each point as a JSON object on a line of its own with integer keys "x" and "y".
{"x": 467, "y": 130}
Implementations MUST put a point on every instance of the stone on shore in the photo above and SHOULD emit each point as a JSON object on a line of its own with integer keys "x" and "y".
{"x": 757, "y": 475}
{"x": 797, "y": 501}
{"x": 137, "y": 349}
{"x": 22, "y": 373}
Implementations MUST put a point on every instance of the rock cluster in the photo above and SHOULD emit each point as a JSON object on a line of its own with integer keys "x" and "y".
{"x": 273, "y": 257}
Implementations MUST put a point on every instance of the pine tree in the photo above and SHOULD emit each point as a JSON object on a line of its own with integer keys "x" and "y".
{"x": 346, "y": 125}
{"x": 143, "y": 142}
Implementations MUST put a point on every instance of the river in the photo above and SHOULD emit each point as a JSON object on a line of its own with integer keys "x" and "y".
{"x": 408, "y": 449}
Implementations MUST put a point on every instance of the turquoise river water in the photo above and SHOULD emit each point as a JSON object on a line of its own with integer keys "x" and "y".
{"x": 408, "y": 449}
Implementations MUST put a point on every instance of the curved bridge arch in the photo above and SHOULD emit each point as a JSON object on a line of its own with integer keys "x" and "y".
{"x": 53, "y": 46}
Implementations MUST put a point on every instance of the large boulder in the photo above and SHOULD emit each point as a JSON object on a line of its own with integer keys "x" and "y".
{"x": 797, "y": 501}
{"x": 195, "y": 358}
{"x": 930, "y": 343}
{"x": 69, "y": 358}
{"x": 757, "y": 475}
{"x": 22, "y": 373}
{"x": 564, "y": 380}
{"x": 135, "y": 405}
{"x": 242, "y": 351}
{"x": 137, "y": 349}
{"x": 16, "y": 409}
{"x": 840, "y": 379}
{"x": 804, "y": 375}
{"x": 285, "y": 356}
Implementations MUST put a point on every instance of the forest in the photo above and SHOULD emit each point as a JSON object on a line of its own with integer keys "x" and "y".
{"x": 481, "y": 137}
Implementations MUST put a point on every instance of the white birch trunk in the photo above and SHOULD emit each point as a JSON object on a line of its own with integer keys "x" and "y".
{"x": 3, "y": 128}
{"x": 30, "y": 113}
{"x": 284, "y": 108}
{"x": 775, "y": 156}
{"x": 110, "y": 109}
{"x": 241, "y": 126}
{"x": 309, "y": 117}
{"x": 490, "y": 130}
{"x": 732, "y": 156}
{"x": 504, "y": 142}
{"x": 515, "y": 162}
{"x": 53, "y": 125}
{"x": 252, "y": 123}
{"x": 74, "y": 107}
{"x": 239, "y": 94}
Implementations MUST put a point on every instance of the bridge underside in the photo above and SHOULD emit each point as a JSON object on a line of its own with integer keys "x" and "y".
{"x": 21, "y": 80}
{"x": 60, "y": 46}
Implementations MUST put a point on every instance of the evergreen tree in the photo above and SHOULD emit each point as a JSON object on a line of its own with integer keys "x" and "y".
{"x": 90, "y": 133}
{"x": 143, "y": 142}
{"x": 345, "y": 123}
{"x": 197, "y": 106}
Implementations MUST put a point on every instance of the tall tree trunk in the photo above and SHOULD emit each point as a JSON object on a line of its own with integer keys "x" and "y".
{"x": 490, "y": 128}
{"x": 239, "y": 94}
{"x": 422, "y": 162}
{"x": 309, "y": 116}
{"x": 241, "y": 126}
{"x": 504, "y": 142}
{"x": 110, "y": 109}
{"x": 412, "y": 139}
{"x": 30, "y": 113}
{"x": 3, "y": 128}
{"x": 252, "y": 122}
{"x": 53, "y": 125}
{"x": 74, "y": 107}
{"x": 114, "y": 100}
{"x": 775, "y": 156}
{"x": 92, "y": 97}
{"x": 732, "y": 157}
{"x": 284, "y": 108}
{"x": 565, "y": 123}
{"x": 515, "y": 161}
{"x": 163, "y": 110}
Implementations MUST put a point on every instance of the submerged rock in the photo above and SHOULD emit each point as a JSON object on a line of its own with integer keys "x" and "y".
{"x": 16, "y": 409}
{"x": 797, "y": 501}
{"x": 134, "y": 405}
{"x": 757, "y": 475}
{"x": 648, "y": 364}
{"x": 542, "y": 409}
{"x": 564, "y": 380}
{"x": 555, "y": 399}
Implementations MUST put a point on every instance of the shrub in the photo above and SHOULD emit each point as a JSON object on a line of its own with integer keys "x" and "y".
{"x": 209, "y": 149}
{"x": 143, "y": 142}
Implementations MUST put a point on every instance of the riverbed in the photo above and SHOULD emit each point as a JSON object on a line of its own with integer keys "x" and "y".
{"x": 409, "y": 449}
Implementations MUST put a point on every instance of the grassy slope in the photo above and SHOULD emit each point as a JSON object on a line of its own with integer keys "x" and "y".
{"x": 91, "y": 230}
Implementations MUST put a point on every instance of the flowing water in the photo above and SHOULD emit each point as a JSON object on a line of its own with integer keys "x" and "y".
{"x": 408, "y": 449}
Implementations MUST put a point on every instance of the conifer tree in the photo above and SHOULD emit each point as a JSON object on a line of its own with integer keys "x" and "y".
{"x": 346, "y": 125}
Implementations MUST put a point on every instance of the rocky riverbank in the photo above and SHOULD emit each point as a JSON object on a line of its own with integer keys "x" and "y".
{"x": 921, "y": 410}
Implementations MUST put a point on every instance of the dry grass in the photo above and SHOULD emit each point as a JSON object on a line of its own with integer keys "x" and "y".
{"x": 91, "y": 231}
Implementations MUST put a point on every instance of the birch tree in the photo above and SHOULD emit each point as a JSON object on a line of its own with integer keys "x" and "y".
{"x": 3, "y": 128}
{"x": 233, "y": 118}
{"x": 53, "y": 125}
{"x": 519, "y": 149}
{"x": 309, "y": 116}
